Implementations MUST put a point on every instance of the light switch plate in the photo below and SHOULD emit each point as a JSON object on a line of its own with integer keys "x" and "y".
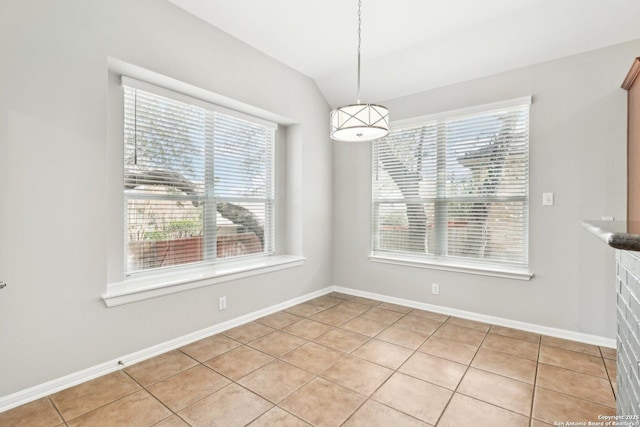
{"x": 547, "y": 199}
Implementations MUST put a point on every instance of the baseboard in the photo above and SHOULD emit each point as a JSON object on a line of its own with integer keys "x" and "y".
{"x": 50, "y": 387}
{"x": 54, "y": 386}
{"x": 530, "y": 327}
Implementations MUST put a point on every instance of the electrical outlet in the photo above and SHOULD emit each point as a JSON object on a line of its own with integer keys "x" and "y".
{"x": 435, "y": 289}
{"x": 547, "y": 199}
{"x": 222, "y": 303}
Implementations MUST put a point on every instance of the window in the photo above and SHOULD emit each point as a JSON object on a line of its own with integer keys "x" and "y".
{"x": 198, "y": 181}
{"x": 453, "y": 189}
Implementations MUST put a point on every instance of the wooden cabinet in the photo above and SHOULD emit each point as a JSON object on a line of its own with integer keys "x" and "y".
{"x": 632, "y": 85}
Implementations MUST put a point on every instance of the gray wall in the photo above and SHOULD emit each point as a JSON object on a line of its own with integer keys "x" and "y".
{"x": 53, "y": 179}
{"x": 53, "y": 185}
{"x": 577, "y": 151}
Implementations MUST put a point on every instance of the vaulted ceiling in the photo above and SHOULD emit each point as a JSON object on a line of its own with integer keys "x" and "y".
{"x": 409, "y": 46}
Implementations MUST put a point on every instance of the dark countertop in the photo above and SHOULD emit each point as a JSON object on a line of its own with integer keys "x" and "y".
{"x": 617, "y": 234}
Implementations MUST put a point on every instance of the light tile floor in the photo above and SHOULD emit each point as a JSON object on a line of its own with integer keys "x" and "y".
{"x": 342, "y": 360}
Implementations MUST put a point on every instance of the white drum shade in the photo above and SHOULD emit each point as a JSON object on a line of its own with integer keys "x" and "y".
{"x": 359, "y": 122}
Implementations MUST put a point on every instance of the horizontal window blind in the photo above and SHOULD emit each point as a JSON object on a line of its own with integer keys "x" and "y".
{"x": 455, "y": 188}
{"x": 198, "y": 183}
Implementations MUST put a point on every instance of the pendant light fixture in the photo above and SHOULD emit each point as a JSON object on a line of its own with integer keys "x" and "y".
{"x": 359, "y": 122}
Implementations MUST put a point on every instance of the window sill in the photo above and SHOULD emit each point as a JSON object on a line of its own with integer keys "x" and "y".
{"x": 142, "y": 288}
{"x": 505, "y": 272}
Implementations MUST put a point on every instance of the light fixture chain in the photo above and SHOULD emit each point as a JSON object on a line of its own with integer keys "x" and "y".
{"x": 359, "y": 43}
{"x": 359, "y": 122}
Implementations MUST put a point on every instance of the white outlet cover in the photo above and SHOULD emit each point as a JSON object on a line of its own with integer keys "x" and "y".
{"x": 547, "y": 199}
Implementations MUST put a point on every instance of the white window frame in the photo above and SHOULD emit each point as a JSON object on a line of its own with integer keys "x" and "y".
{"x": 445, "y": 263}
{"x": 123, "y": 289}
{"x": 269, "y": 192}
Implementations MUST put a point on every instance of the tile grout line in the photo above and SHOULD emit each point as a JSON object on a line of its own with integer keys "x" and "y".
{"x": 450, "y": 397}
{"x": 461, "y": 378}
{"x": 367, "y": 398}
{"x": 498, "y": 374}
{"x": 570, "y": 395}
{"x": 606, "y": 368}
{"x": 369, "y": 339}
{"x": 345, "y": 354}
{"x": 66, "y": 421}
{"x": 154, "y": 396}
{"x": 582, "y": 373}
{"x": 232, "y": 381}
{"x": 198, "y": 363}
{"x": 535, "y": 381}
{"x": 574, "y": 370}
{"x": 316, "y": 375}
{"x": 396, "y": 370}
{"x": 273, "y": 405}
{"x": 576, "y": 397}
{"x": 56, "y": 409}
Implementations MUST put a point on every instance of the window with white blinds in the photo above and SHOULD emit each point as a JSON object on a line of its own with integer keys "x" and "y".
{"x": 454, "y": 188}
{"x": 198, "y": 181}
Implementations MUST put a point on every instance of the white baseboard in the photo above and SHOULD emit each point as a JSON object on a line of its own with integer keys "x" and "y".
{"x": 50, "y": 387}
{"x": 54, "y": 386}
{"x": 529, "y": 327}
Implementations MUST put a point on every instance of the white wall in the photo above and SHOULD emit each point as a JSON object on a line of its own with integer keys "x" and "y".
{"x": 577, "y": 151}
{"x": 53, "y": 179}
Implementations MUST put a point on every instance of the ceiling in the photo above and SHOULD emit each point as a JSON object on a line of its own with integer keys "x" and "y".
{"x": 409, "y": 46}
